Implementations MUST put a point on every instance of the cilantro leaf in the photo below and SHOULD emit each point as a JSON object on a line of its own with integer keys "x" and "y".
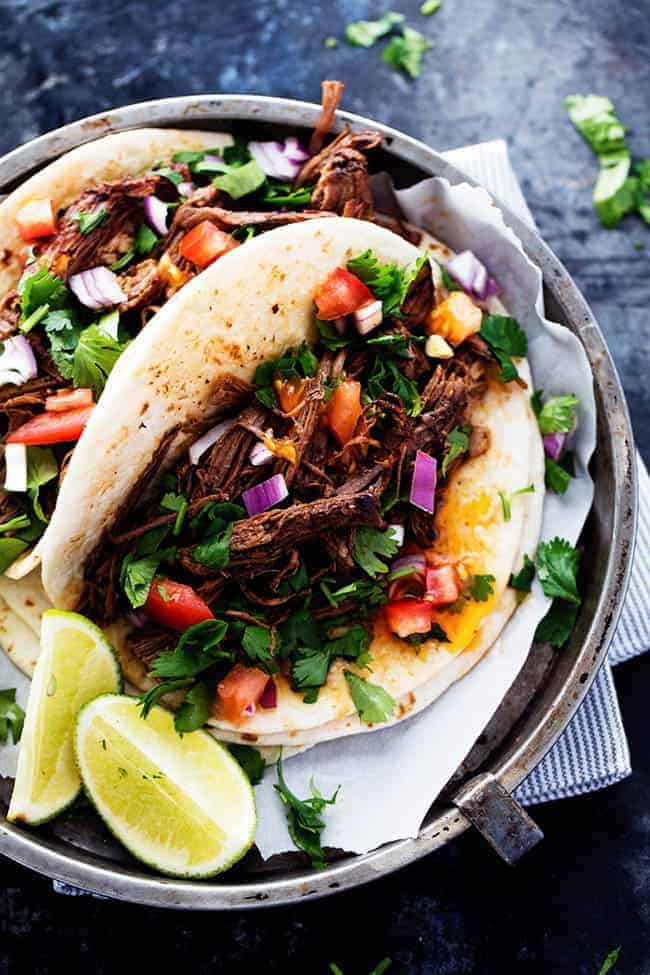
{"x": 94, "y": 357}
{"x": 557, "y": 477}
{"x": 435, "y": 633}
{"x": 523, "y": 580}
{"x": 215, "y": 552}
{"x": 362, "y": 590}
{"x": 430, "y": 7}
{"x": 10, "y": 549}
{"x": 304, "y": 818}
{"x": 506, "y": 338}
{"x": 239, "y": 181}
{"x": 12, "y": 716}
{"x": 369, "y": 543}
{"x": 331, "y": 338}
{"x": 40, "y": 288}
{"x": 388, "y": 282}
{"x": 145, "y": 240}
{"x": 372, "y": 702}
{"x": 365, "y": 33}
{"x": 89, "y": 220}
{"x": 195, "y": 709}
{"x": 41, "y": 469}
{"x": 148, "y": 700}
{"x": 557, "y": 568}
{"x": 481, "y": 587}
{"x": 250, "y": 760}
{"x": 387, "y": 377}
{"x": 171, "y": 174}
{"x": 557, "y": 414}
{"x": 15, "y": 524}
{"x": 557, "y": 625}
{"x": 309, "y": 667}
{"x": 457, "y": 444}
{"x": 283, "y": 195}
{"x": 506, "y": 500}
{"x": 610, "y": 961}
{"x": 406, "y": 52}
{"x": 300, "y": 630}
{"x": 137, "y": 574}
{"x": 296, "y": 364}
{"x": 199, "y": 647}
{"x": 257, "y": 643}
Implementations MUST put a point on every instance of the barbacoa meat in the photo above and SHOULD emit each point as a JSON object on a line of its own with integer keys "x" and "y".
{"x": 340, "y": 172}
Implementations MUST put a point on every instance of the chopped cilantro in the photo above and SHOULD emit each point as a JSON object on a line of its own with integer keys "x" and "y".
{"x": 370, "y": 543}
{"x": 365, "y": 33}
{"x": 388, "y": 282}
{"x": 557, "y": 475}
{"x": 610, "y": 961}
{"x": 240, "y": 181}
{"x": 523, "y": 580}
{"x": 395, "y": 341}
{"x": 387, "y": 376}
{"x": 481, "y": 587}
{"x": 39, "y": 288}
{"x": 406, "y": 52}
{"x": 94, "y": 356}
{"x": 371, "y": 593}
{"x": 331, "y": 338}
{"x": 304, "y": 818}
{"x": 309, "y": 667}
{"x": 137, "y": 574}
{"x": 168, "y": 173}
{"x": 12, "y": 716}
{"x": 372, "y": 702}
{"x": 250, "y": 760}
{"x": 200, "y": 647}
{"x": 557, "y": 625}
{"x": 506, "y": 338}
{"x": 557, "y": 569}
{"x": 257, "y": 643}
{"x": 41, "y": 469}
{"x": 89, "y": 220}
{"x": 300, "y": 630}
{"x": 457, "y": 444}
{"x": 282, "y": 194}
{"x": 557, "y": 414}
{"x": 506, "y": 500}
{"x": 195, "y": 709}
{"x": 147, "y": 701}
{"x": 295, "y": 364}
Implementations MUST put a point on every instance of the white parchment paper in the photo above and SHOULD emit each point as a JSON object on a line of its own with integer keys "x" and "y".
{"x": 390, "y": 778}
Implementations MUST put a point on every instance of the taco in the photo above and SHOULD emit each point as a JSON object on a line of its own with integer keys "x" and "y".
{"x": 304, "y": 519}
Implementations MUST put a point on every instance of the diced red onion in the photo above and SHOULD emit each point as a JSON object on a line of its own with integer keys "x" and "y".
{"x": 185, "y": 189}
{"x": 265, "y": 495}
{"x": 277, "y": 159}
{"x": 269, "y": 698}
{"x": 209, "y": 438}
{"x": 423, "y": 485}
{"x": 17, "y": 361}
{"x": 260, "y": 454}
{"x": 15, "y": 467}
{"x": 398, "y": 534}
{"x": 155, "y": 212}
{"x": 555, "y": 444}
{"x": 411, "y": 583}
{"x": 415, "y": 561}
{"x": 249, "y": 709}
{"x": 466, "y": 269}
{"x": 367, "y": 317}
{"x": 212, "y": 157}
{"x": 97, "y": 288}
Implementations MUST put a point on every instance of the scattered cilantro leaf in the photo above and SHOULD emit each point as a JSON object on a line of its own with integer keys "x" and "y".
{"x": 406, "y": 52}
{"x": 309, "y": 667}
{"x": 89, "y": 220}
{"x": 257, "y": 643}
{"x": 12, "y": 716}
{"x": 250, "y": 760}
{"x": 372, "y": 702}
{"x": 240, "y": 181}
{"x": 199, "y": 647}
{"x": 388, "y": 282}
{"x": 457, "y": 444}
{"x": 168, "y": 173}
{"x": 300, "y": 630}
{"x": 294, "y": 364}
{"x": 557, "y": 626}
{"x": 94, "y": 357}
{"x": 386, "y": 376}
{"x": 195, "y": 709}
{"x": 556, "y": 476}
{"x": 523, "y": 580}
{"x": 304, "y": 818}
{"x": 215, "y": 552}
{"x": 370, "y": 543}
{"x": 363, "y": 590}
{"x": 283, "y": 195}
{"x": 506, "y": 338}
{"x": 557, "y": 569}
{"x": 365, "y": 33}
{"x": 137, "y": 574}
{"x": 610, "y": 961}
{"x": 39, "y": 288}
{"x": 147, "y": 701}
{"x": 506, "y": 500}
{"x": 481, "y": 587}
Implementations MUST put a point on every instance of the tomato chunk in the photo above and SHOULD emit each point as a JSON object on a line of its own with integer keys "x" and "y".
{"x": 48, "y": 428}
{"x": 408, "y": 616}
{"x": 36, "y": 219}
{"x": 175, "y": 605}
{"x": 441, "y": 584}
{"x": 340, "y": 294}
{"x": 344, "y": 410}
{"x": 290, "y": 393}
{"x": 455, "y": 318}
{"x": 240, "y": 691}
{"x": 204, "y": 243}
{"x": 69, "y": 399}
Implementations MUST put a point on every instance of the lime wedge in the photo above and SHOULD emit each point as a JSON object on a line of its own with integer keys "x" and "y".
{"x": 181, "y": 804}
{"x": 76, "y": 664}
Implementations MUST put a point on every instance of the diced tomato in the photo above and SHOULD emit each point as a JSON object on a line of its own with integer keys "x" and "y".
{"x": 290, "y": 393}
{"x": 455, "y": 318}
{"x": 69, "y": 399}
{"x": 341, "y": 294}
{"x": 344, "y": 410}
{"x": 408, "y": 616}
{"x": 36, "y": 219}
{"x": 204, "y": 243}
{"x": 48, "y": 428}
{"x": 240, "y": 691}
{"x": 175, "y": 605}
{"x": 441, "y": 584}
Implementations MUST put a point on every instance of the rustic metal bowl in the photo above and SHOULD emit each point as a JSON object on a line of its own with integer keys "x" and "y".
{"x": 545, "y": 697}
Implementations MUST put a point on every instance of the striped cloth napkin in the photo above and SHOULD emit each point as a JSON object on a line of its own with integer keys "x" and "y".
{"x": 593, "y": 751}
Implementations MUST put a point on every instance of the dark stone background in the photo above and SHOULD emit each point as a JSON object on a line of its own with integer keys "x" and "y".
{"x": 496, "y": 69}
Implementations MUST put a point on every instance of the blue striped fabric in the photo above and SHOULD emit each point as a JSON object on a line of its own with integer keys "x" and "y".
{"x": 593, "y": 752}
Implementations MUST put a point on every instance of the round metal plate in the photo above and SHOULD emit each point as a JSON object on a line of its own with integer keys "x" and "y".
{"x": 608, "y": 540}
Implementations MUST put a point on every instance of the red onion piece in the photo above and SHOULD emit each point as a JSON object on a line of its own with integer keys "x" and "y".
{"x": 555, "y": 444}
{"x": 265, "y": 495}
{"x": 209, "y": 438}
{"x": 186, "y": 189}
{"x": 423, "y": 485}
{"x": 416, "y": 561}
{"x": 15, "y": 467}
{"x": 155, "y": 212}
{"x": 269, "y": 698}
{"x": 260, "y": 455}
{"x": 466, "y": 269}
{"x": 17, "y": 361}
{"x": 277, "y": 159}
{"x": 367, "y": 317}
{"x": 97, "y": 288}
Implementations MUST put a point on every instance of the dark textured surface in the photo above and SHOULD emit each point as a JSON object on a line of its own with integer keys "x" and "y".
{"x": 496, "y": 69}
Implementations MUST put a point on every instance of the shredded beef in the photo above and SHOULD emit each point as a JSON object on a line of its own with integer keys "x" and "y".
{"x": 142, "y": 285}
{"x": 420, "y": 298}
{"x": 341, "y": 174}
{"x": 9, "y": 314}
{"x": 332, "y": 93}
{"x": 149, "y": 643}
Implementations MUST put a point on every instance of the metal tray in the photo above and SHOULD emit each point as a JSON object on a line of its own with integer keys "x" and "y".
{"x": 76, "y": 848}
